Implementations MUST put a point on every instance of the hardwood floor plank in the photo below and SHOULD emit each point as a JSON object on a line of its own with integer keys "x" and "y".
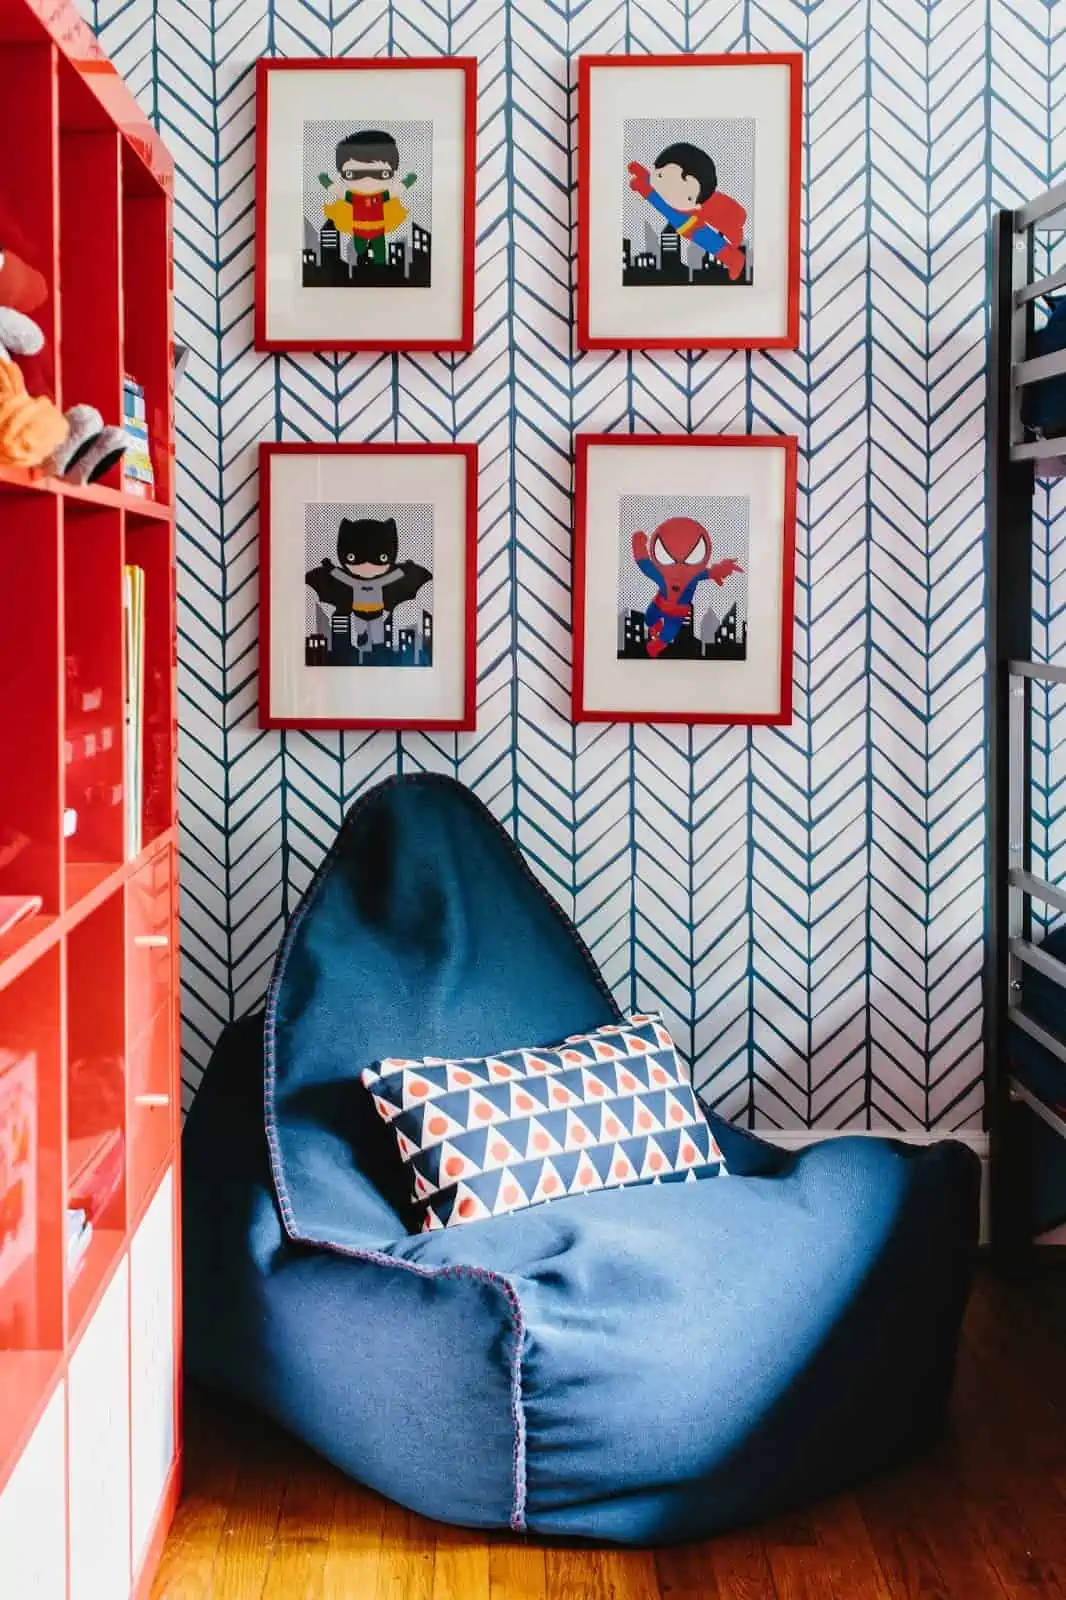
{"x": 185, "y": 1570}
{"x": 517, "y": 1572}
{"x": 187, "y": 1564}
{"x": 301, "y": 1546}
{"x": 405, "y": 1557}
{"x": 460, "y": 1565}
{"x": 791, "y": 1546}
{"x": 576, "y": 1574}
{"x": 825, "y": 1554}
{"x": 844, "y": 1544}
{"x": 730, "y": 1567}
{"x": 630, "y": 1575}
{"x": 919, "y": 1524}
{"x": 246, "y": 1548}
{"x": 1006, "y": 1474}
{"x": 353, "y": 1556}
{"x": 686, "y": 1572}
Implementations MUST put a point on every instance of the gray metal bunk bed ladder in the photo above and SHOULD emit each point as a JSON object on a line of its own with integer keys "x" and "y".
{"x": 1013, "y": 462}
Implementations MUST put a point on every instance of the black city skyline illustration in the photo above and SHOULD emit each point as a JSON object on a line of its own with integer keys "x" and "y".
{"x": 405, "y": 268}
{"x": 331, "y": 644}
{"x": 720, "y": 639}
{"x": 663, "y": 261}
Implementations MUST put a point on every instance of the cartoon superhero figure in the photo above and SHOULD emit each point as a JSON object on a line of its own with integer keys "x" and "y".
{"x": 362, "y": 205}
{"x": 369, "y": 582}
{"x": 677, "y": 559}
{"x": 683, "y": 187}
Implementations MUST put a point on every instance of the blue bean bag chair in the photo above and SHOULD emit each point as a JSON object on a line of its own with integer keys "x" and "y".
{"x": 638, "y": 1365}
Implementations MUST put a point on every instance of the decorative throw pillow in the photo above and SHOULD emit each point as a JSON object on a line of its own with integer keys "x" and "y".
{"x": 493, "y": 1134}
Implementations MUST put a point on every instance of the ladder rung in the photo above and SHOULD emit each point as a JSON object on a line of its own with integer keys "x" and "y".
{"x": 1038, "y": 889}
{"x": 1046, "y": 211}
{"x": 1041, "y": 286}
{"x": 1050, "y": 1041}
{"x": 1041, "y": 670}
{"x": 1036, "y": 957}
{"x": 1048, "y": 454}
{"x": 1045, "y": 1112}
{"x": 1039, "y": 368}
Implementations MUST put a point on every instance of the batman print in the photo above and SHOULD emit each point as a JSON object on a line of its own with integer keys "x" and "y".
{"x": 369, "y": 586}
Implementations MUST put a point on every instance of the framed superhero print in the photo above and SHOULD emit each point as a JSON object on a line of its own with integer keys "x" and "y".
{"x": 689, "y": 201}
{"x": 367, "y": 585}
{"x": 364, "y": 208}
{"x": 684, "y": 570}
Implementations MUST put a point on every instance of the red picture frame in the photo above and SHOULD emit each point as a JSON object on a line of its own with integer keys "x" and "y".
{"x": 585, "y": 443}
{"x": 788, "y": 339}
{"x": 466, "y": 720}
{"x": 266, "y": 67}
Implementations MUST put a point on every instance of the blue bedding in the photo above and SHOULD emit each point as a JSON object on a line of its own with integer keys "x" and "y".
{"x": 641, "y": 1365}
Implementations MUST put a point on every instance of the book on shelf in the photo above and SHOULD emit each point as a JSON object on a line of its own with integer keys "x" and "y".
{"x": 133, "y": 636}
{"x": 137, "y": 475}
{"x": 15, "y": 908}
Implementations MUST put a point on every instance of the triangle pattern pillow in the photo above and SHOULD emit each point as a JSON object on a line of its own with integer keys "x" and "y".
{"x": 483, "y": 1136}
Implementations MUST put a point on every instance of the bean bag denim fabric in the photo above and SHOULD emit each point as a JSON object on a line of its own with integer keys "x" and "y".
{"x": 639, "y": 1365}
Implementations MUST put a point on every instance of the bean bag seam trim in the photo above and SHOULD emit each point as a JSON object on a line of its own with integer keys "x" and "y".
{"x": 514, "y": 1306}
{"x": 458, "y": 1272}
{"x": 379, "y": 1258}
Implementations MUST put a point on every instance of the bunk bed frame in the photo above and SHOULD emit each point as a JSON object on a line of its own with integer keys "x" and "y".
{"x": 1014, "y": 462}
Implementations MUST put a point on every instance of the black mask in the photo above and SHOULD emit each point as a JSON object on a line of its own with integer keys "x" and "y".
{"x": 368, "y": 541}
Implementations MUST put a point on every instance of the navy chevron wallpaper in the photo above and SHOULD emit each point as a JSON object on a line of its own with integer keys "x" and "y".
{"x": 803, "y": 904}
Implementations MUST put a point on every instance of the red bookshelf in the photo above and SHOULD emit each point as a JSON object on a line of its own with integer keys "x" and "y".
{"x": 89, "y": 1082}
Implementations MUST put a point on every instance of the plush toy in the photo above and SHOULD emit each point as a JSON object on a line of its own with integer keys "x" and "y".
{"x": 33, "y": 432}
{"x": 91, "y": 448}
{"x": 31, "y": 426}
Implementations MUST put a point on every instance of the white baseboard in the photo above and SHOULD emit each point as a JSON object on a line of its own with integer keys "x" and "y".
{"x": 799, "y": 1138}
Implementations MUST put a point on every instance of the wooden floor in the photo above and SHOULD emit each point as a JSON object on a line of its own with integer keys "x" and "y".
{"x": 981, "y": 1514}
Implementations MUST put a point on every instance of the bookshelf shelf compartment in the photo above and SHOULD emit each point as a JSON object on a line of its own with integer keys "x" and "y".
{"x": 152, "y": 554}
{"x": 30, "y": 689}
{"x": 94, "y": 719}
{"x": 31, "y": 1216}
{"x": 146, "y": 285}
{"x": 152, "y": 1108}
{"x": 29, "y": 184}
{"x": 89, "y": 1084}
{"x": 96, "y": 1099}
{"x": 91, "y": 334}
{"x": 150, "y": 935}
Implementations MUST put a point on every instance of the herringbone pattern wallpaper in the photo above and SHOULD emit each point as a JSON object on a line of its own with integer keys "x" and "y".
{"x": 804, "y": 904}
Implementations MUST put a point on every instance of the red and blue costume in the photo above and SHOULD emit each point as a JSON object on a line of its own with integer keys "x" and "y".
{"x": 677, "y": 559}
{"x": 717, "y": 225}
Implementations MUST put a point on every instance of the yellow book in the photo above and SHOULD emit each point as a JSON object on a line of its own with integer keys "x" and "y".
{"x": 133, "y": 598}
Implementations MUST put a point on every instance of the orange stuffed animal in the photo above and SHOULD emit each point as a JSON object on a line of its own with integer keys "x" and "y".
{"x": 78, "y": 446}
{"x": 31, "y": 426}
